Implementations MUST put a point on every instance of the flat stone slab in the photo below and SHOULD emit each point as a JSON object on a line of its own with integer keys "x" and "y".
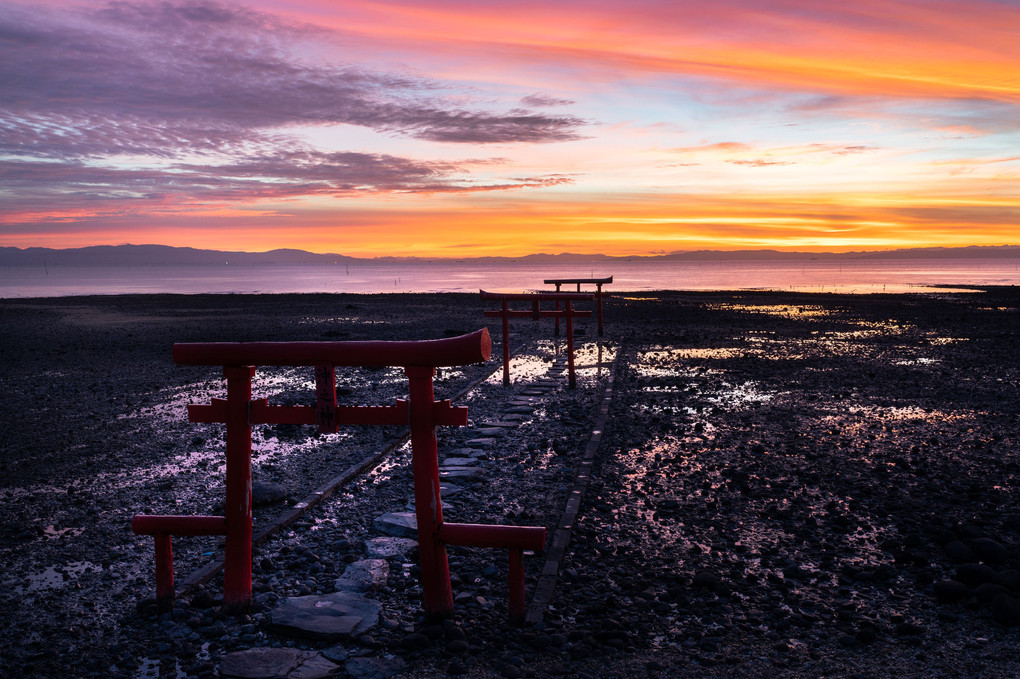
{"x": 448, "y": 489}
{"x": 462, "y": 452}
{"x": 447, "y": 507}
{"x": 363, "y": 576}
{"x": 483, "y": 443}
{"x": 460, "y": 473}
{"x": 460, "y": 462}
{"x": 398, "y": 524}
{"x": 535, "y": 392}
{"x": 489, "y": 431}
{"x": 385, "y": 548}
{"x": 328, "y": 617}
{"x": 514, "y": 419}
{"x": 276, "y": 663}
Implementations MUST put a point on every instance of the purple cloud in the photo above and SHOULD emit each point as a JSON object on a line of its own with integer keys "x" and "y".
{"x": 206, "y": 92}
{"x": 207, "y": 70}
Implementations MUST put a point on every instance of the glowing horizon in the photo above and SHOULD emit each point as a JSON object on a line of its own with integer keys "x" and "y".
{"x": 453, "y": 129}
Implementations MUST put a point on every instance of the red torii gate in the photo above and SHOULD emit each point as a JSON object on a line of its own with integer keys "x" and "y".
{"x": 239, "y": 412}
{"x": 597, "y": 282}
{"x": 536, "y": 298}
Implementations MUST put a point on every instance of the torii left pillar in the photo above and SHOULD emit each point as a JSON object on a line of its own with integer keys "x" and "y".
{"x": 238, "y": 513}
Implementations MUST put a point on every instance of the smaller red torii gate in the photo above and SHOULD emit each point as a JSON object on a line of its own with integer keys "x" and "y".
{"x": 568, "y": 313}
{"x": 422, "y": 412}
{"x": 597, "y": 282}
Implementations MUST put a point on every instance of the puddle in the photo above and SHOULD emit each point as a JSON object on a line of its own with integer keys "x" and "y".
{"x": 54, "y": 577}
{"x": 166, "y": 668}
{"x": 525, "y": 368}
{"x": 883, "y": 413}
{"x": 383, "y": 471}
{"x": 917, "y": 361}
{"x": 736, "y": 395}
{"x": 160, "y": 668}
{"x": 51, "y": 532}
{"x": 799, "y": 312}
{"x": 660, "y": 355}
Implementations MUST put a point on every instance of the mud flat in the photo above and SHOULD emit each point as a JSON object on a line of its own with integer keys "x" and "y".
{"x": 788, "y": 485}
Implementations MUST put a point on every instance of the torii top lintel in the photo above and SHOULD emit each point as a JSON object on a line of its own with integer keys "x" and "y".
{"x": 475, "y": 347}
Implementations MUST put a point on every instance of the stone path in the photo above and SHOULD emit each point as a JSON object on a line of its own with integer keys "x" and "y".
{"x": 347, "y": 613}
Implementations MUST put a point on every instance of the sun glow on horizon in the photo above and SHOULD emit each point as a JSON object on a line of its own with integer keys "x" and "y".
{"x": 450, "y": 129}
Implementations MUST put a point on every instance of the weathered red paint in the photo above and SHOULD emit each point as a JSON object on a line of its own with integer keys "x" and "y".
{"x": 428, "y": 506}
{"x": 597, "y": 282}
{"x": 536, "y": 298}
{"x": 464, "y": 350}
{"x": 421, "y": 411}
{"x": 481, "y": 535}
{"x": 237, "y": 550}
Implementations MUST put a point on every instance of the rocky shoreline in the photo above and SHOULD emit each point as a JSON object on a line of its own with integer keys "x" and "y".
{"x": 788, "y": 485}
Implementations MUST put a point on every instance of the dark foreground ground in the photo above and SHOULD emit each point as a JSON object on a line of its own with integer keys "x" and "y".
{"x": 788, "y": 485}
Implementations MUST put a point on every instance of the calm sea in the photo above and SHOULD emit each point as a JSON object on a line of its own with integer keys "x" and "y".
{"x": 859, "y": 276}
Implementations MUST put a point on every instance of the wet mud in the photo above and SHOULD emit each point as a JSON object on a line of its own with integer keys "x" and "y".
{"x": 788, "y": 485}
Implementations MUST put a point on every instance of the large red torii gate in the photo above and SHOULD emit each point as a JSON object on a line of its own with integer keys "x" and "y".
{"x": 422, "y": 412}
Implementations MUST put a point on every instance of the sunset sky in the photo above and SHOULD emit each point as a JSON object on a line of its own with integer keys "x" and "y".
{"x": 464, "y": 128}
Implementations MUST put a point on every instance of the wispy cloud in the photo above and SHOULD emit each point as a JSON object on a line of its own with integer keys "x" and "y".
{"x": 646, "y": 123}
{"x": 210, "y": 94}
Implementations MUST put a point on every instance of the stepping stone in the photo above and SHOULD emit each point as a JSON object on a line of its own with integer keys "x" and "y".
{"x": 448, "y": 489}
{"x": 460, "y": 462}
{"x": 489, "y": 431}
{"x": 500, "y": 425}
{"x": 385, "y": 548}
{"x": 364, "y": 575}
{"x": 520, "y": 410}
{"x": 398, "y": 524}
{"x": 337, "y": 654}
{"x": 483, "y": 443}
{"x": 446, "y": 505}
{"x": 327, "y": 617}
{"x": 461, "y": 473}
{"x": 535, "y": 392}
{"x": 462, "y": 452}
{"x": 522, "y": 403}
{"x": 274, "y": 663}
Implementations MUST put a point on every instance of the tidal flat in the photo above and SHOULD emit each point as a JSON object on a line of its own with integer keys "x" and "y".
{"x": 787, "y": 484}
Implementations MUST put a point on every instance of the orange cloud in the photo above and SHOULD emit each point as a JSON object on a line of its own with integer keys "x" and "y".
{"x": 873, "y": 47}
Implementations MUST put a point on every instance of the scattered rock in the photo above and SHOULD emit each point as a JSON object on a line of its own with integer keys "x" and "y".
{"x": 264, "y": 493}
{"x": 398, "y": 524}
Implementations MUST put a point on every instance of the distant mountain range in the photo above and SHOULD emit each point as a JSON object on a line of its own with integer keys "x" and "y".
{"x": 163, "y": 255}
